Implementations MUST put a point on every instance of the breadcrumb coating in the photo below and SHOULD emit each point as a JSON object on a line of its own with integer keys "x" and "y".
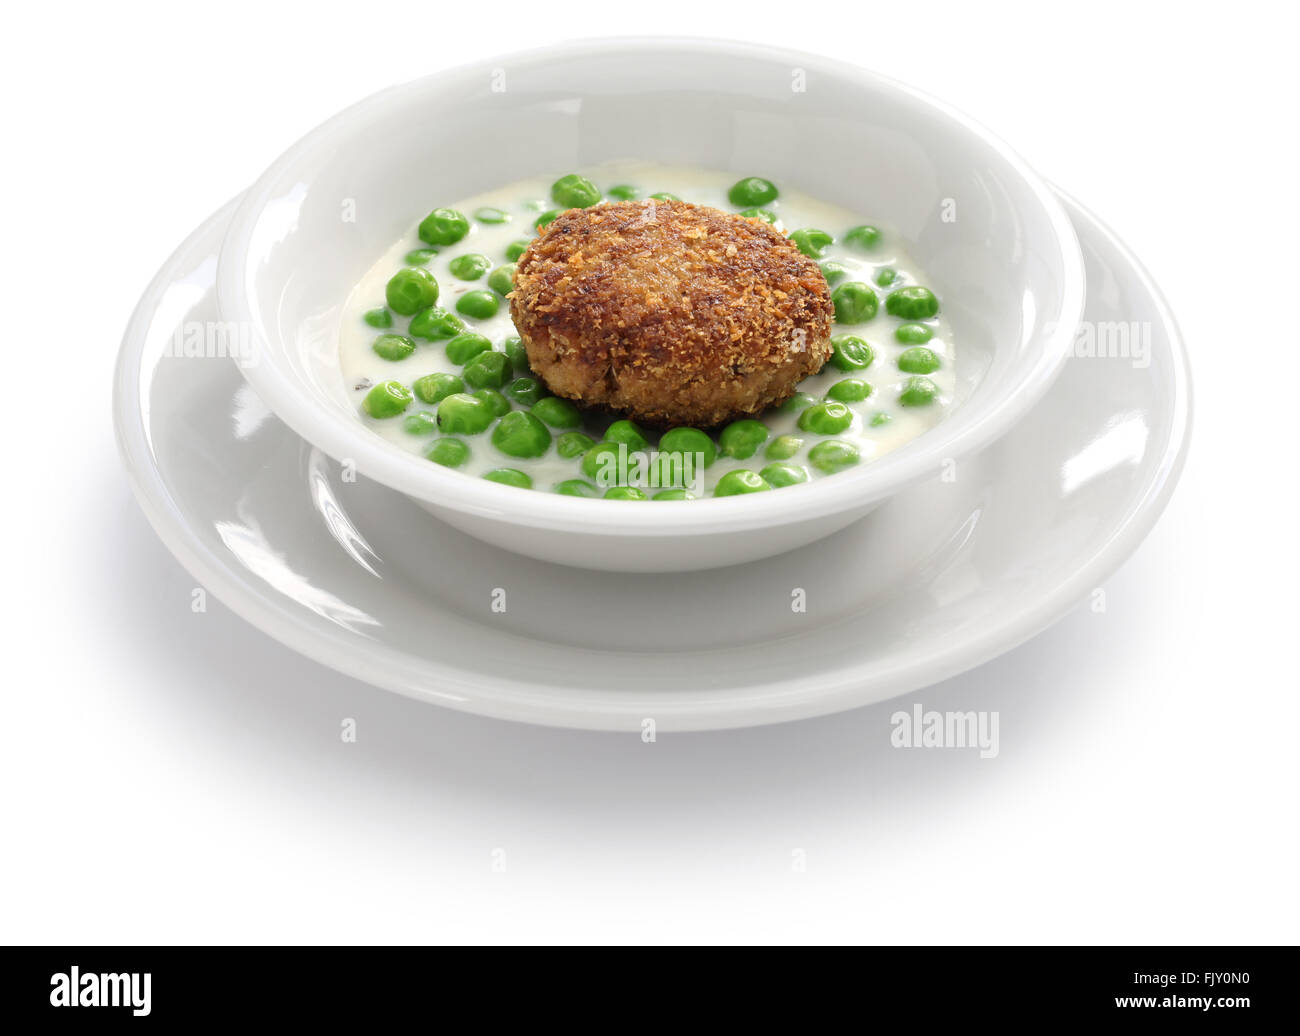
{"x": 670, "y": 313}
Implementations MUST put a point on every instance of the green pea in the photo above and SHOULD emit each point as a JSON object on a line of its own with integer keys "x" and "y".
{"x": 752, "y": 191}
{"x": 886, "y": 277}
{"x": 604, "y": 463}
{"x": 834, "y": 272}
{"x": 443, "y": 227}
{"x": 520, "y": 434}
{"x": 864, "y": 237}
{"x": 470, "y": 266}
{"x": 851, "y": 353}
{"x": 855, "y": 303}
{"x": 918, "y": 360}
{"x": 575, "y": 487}
{"x": 546, "y": 219}
{"x": 378, "y": 318}
{"x": 624, "y": 493}
{"x": 766, "y": 215}
{"x": 573, "y": 444}
{"x": 419, "y": 256}
{"x": 741, "y": 439}
{"x": 387, "y": 399}
{"x": 833, "y": 455}
{"x": 674, "y": 494}
{"x": 879, "y": 418}
{"x": 918, "y": 392}
{"x": 525, "y": 391}
{"x": 450, "y": 453}
{"x": 628, "y": 434}
{"x": 422, "y": 423}
{"x": 912, "y": 303}
{"x": 688, "y": 441}
{"x": 513, "y": 347}
{"x": 780, "y": 475}
{"x": 849, "y": 390}
{"x": 509, "y": 477}
{"x": 487, "y": 370}
{"x": 799, "y": 400}
{"x": 462, "y": 414}
{"x": 623, "y": 192}
{"x": 410, "y": 290}
{"x": 393, "y": 347}
{"x": 828, "y": 418}
{"x": 734, "y": 483}
{"x": 515, "y": 249}
{"x": 488, "y": 214}
{"x": 493, "y": 400}
{"x": 574, "y": 192}
{"x": 434, "y": 324}
{"x": 665, "y": 196}
{"x": 812, "y": 242}
{"x": 434, "y": 388}
{"x": 783, "y": 447}
{"x": 557, "y": 412}
{"x": 502, "y": 279}
{"x": 481, "y": 305}
{"x": 913, "y": 334}
{"x": 465, "y": 346}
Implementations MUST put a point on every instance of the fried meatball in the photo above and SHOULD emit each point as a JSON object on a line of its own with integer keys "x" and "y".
{"x": 670, "y": 313}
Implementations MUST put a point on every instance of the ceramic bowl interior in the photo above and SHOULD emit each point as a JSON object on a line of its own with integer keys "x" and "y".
{"x": 985, "y": 230}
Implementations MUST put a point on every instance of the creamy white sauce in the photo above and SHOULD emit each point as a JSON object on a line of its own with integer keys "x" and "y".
{"x": 524, "y": 200}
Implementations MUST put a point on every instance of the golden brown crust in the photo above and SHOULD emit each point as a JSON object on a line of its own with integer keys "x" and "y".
{"x": 669, "y": 312}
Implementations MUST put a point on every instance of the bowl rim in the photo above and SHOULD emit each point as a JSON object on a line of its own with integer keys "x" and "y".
{"x": 341, "y": 436}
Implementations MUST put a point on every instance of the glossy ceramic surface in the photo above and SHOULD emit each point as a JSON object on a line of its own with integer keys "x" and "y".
{"x": 938, "y": 579}
{"x": 987, "y": 231}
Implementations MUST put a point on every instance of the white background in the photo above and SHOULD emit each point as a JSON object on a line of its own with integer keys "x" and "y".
{"x": 173, "y": 777}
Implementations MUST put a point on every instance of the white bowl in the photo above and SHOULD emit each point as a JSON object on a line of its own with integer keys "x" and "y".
{"x": 1007, "y": 269}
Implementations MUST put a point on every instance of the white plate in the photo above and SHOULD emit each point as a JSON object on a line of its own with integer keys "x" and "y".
{"x": 937, "y": 580}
